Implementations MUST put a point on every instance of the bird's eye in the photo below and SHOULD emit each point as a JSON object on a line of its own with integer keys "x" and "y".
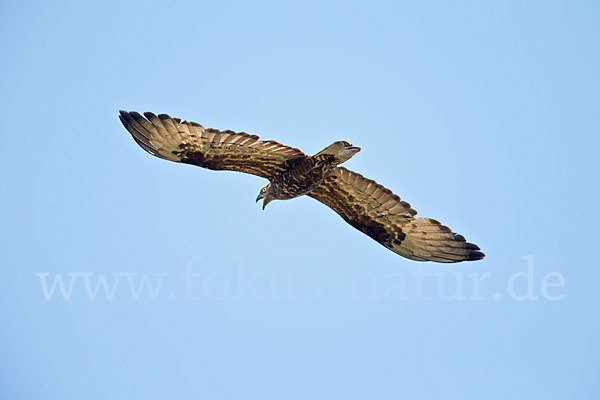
{"x": 264, "y": 189}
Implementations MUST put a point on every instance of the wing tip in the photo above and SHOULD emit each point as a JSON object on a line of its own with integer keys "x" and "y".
{"x": 475, "y": 255}
{"x": 149, "y": 115}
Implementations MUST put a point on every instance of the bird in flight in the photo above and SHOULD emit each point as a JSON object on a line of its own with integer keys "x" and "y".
{"x": 361, "y": 202}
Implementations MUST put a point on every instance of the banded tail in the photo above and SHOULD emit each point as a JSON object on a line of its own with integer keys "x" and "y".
{"x": 341, "y": 150}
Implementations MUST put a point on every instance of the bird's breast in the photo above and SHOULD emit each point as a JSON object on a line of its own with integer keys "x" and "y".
{"x": 300, "y": 180}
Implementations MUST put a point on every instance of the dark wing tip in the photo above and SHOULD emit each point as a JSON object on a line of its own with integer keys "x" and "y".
{"x": 471, "y": 246}
{"x": 461, "y": 238}
{"x": 128, "y": 115}
{"x": 475, "y": 255}
{"x": 474, "y": 252}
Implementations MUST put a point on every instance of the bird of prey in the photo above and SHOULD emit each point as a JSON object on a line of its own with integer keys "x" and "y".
{"x": 361, "y": 202}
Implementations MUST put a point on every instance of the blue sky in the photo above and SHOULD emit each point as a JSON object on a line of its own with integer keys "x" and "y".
{"x": 483, "y": 115}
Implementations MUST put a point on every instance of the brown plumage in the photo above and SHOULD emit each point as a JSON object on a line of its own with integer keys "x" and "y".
{"x": 363, "y": 203}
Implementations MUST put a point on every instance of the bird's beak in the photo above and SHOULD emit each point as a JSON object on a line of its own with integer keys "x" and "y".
{"x": 267, "y": 201}
{"x": 260, "y": 196}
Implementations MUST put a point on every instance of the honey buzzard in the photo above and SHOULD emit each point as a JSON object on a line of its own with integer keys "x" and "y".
{"x": 363, "y": 203}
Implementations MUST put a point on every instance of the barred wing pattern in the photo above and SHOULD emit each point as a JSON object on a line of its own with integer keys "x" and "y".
{"x": 191, "y": 143}
{"x": 382, "y": 215}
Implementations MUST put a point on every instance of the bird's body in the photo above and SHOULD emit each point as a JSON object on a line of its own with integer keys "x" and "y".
{"x": 363, "y": 203}
{"x": 308, "y": 173}
{"x": 300, "y": 179}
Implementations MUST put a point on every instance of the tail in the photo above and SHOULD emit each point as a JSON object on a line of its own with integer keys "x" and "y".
{"x": 341, "y": 151}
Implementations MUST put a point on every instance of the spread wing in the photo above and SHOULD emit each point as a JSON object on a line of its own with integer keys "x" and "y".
{"x": 191, "y": 143}
{"x": 379, "y": 213}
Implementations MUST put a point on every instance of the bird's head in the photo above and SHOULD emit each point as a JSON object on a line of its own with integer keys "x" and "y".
{"x": 266, "y": 194}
